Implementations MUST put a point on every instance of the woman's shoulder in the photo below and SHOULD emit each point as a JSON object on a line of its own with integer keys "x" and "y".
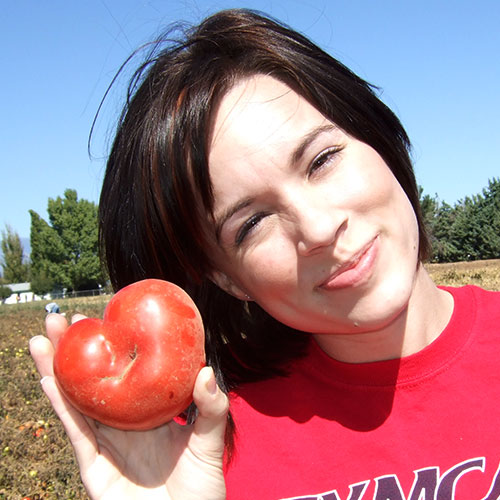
{"x": 479, "y": 303}
{"x": 474, "y": 294}
{"x": 465, "y": 292}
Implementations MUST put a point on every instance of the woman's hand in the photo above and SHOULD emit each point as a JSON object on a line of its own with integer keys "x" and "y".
{"x": 171, "y": 462}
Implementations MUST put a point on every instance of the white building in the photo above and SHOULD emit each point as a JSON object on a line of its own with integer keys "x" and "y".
{"x": 21, "y": 292}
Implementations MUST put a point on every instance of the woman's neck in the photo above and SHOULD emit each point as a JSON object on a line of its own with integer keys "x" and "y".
{"x": 426, "y": 315}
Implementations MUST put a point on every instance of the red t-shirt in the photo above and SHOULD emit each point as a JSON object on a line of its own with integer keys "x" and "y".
{"x": 423, "y": 427}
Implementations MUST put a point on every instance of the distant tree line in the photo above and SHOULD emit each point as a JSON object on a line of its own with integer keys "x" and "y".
{"x": 65, "y": 250}
{"x": 15, "y": 269}
{"x": 469, "y": 230}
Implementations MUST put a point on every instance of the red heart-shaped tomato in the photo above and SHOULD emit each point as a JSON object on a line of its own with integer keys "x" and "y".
{"x": 136, "y": 368}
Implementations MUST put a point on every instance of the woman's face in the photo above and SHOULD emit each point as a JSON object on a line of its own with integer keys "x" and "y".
{"x": 310, "y": 223}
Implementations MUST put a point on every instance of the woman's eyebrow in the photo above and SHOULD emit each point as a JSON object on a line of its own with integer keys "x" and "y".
{"x": 295, "y": 157}
{"x": 228, "y": 213}
{"x": 299, "y": 151}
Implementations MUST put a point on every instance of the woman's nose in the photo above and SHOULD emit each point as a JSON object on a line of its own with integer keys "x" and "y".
{"x": 318, "y": 225}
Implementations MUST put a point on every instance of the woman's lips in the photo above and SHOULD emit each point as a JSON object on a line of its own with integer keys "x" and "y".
{"x": 354, "y": 271}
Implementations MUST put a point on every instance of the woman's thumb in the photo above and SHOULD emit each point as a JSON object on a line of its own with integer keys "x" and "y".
{"x": 213, "y": 407}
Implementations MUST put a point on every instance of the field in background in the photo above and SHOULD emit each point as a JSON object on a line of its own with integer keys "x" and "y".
{"x": 483, "y": 273}
{"x": 36, "y": 460}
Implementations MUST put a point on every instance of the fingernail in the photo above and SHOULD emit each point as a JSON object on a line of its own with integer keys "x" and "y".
{"x": 44, "y": 379}
{"x": 32, "y": 342}
{"x": 212, "y": 385}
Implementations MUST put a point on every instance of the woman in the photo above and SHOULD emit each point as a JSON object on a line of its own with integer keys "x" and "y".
{"x": 265, "y": 178}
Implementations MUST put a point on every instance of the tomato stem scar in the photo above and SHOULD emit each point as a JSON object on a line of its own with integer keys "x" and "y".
{"x": 133, "y": 357}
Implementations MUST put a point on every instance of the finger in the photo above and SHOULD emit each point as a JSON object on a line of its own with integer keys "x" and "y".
{"x": 75, "y": 424}
{"x": 77, "y": 317}
{"x": 42, "y": 352}
{"x": 213, "y": 406}
{"x": 56, "y": 325}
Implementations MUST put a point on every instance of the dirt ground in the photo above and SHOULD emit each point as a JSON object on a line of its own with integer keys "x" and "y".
{"x": 36, "y": 459}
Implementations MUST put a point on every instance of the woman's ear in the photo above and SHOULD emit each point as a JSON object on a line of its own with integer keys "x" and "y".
{"x": 225, "y": 283}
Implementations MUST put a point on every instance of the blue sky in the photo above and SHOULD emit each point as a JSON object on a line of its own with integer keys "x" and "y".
{"x": 437, "y": 64}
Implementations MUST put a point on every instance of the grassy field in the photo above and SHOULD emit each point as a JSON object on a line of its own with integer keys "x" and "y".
{"x": 36, "y": 460}
{"x": 483, "y": 273}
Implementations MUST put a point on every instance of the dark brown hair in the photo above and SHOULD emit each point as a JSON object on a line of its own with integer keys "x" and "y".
{"x": 157, "y": 192}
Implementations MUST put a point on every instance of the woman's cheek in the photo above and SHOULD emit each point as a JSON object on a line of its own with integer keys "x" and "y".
{"x": 271, "y": 266}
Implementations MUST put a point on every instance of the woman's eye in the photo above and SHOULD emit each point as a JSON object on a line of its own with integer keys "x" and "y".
{"x": 248, "y": 227}
{"x": 322, "y": 159}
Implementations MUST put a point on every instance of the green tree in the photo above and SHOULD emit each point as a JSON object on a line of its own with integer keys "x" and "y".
{"x": 15, "y": 269}
{"x": 470, "y": 230}
{"x": 428, "y": 207}
{"x": 65, "y": 251}
{"x": 465, "y": 233}
{"x": 5, "y": 293}
{"x": 490, "y": 220}
{"x": 476, "y": 229}
{"x": 438, "y": 218}
{"x": 443, "y": 249}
